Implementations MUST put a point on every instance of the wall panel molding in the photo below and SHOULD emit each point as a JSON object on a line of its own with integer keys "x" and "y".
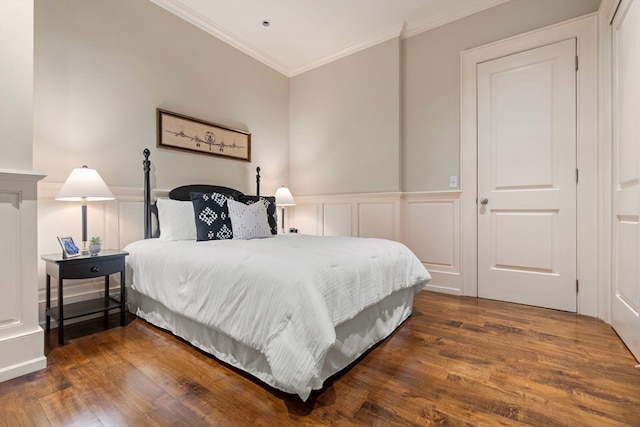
{"x": 431, "y": 230}
{"x": 119, "y": 222}
{"x": 427, "y": 222}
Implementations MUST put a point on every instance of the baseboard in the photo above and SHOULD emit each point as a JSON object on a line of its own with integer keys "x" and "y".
{"x": 21, "y": 355}
{"x": 443, "y": 289}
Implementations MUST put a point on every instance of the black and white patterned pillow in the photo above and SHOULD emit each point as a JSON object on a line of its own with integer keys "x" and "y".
{"x": 212, "y": 216}
{"x": 270, "y": 204}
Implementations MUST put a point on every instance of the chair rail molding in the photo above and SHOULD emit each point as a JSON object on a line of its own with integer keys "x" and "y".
{"x": 431, "y": 229}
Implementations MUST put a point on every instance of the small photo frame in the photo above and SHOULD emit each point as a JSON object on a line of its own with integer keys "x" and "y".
{"x": 69, "y": 248}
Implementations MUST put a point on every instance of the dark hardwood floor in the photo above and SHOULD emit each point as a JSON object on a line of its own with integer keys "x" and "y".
{"x": 456, "y": 362}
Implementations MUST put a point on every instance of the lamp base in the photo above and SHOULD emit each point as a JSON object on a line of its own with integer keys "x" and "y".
{"x": 84, "y": 250}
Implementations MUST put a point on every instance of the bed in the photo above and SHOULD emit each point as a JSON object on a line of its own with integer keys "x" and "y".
{"x": 289, "y": 309}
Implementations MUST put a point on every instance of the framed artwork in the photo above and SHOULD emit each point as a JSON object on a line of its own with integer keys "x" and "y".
{"x": 69, "y": 248}
{"x": 180, "y": 132}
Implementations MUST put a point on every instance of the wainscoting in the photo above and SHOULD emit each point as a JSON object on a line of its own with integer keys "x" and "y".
{"x": 119, "y": 222}
{"x": 432, "y": 231}
{"x": 427, "y": 222}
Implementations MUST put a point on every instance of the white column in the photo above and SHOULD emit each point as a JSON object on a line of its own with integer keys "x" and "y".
{"x": 21, "y": 337}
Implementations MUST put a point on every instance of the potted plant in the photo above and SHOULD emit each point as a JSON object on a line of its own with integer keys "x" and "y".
{"x": 95, "y": 245}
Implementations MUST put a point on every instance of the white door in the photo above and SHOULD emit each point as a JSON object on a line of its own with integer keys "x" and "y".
{"x": 625, "y": 302}
{"x": 527, "y": 177}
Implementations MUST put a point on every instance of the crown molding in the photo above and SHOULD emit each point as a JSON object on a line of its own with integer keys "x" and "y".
{"x": 402, "y": 31}
{"x": 368, "y": 42}
{"x": 463, "y": 10}
{"x": 189, "y": 15}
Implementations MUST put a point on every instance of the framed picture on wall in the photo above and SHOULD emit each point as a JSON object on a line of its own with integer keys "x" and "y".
{"x": 69, "y": 248}
{"x": 179, "y": 132}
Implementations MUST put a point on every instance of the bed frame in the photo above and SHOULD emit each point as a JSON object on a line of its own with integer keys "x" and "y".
{"x": 179, "y": 193}
{"x": 354, "y": 337}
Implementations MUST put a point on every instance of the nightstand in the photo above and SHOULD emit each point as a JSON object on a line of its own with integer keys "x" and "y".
{"x": 107, "y": 262}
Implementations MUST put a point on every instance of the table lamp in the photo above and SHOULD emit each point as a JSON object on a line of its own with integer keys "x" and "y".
{"x": 84, "y": 185}
{"x": 284, "y": 198}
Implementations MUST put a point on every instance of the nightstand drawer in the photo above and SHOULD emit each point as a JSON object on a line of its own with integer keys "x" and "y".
{"x": 91, "y": 268}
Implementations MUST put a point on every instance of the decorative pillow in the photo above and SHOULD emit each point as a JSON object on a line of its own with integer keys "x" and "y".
{"x": 212, "y": 216}
{"x": 248, "y": 221}
{"x": 270, "y": 204}
{"x": 175, "y": 219}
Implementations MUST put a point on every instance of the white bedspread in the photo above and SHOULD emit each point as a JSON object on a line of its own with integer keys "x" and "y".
{"x": 282, "y": 296}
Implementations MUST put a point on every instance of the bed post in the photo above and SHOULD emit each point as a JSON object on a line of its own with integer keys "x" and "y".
{"x": 147, "y": 194}
{"x": 258, "y": 181}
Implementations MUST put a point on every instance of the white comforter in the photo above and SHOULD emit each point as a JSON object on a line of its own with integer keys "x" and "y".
{"x": 283, "y": 296}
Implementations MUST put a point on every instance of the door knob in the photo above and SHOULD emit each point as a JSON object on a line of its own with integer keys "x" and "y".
{"x": 484, "y": 201}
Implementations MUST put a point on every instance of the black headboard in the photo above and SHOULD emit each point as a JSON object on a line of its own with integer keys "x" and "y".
{"x": 180, "y": 193}
{"x": 184, "y": 193}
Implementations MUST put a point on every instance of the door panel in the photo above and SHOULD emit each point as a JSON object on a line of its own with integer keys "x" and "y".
{"x": 527, "y": 174}
{"x": 625, "y": 302}
{"x": 513, "y": 228}
{"x": 527, "y": 118}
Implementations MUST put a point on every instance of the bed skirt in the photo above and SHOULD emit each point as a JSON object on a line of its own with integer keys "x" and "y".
{"x": 353, "y": 337}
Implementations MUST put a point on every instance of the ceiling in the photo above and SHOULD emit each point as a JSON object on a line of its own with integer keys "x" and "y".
{"x": 304, "y": 34}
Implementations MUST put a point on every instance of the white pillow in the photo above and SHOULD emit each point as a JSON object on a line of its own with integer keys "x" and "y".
{"x": 176, "y": 220}
{"x": 248, "y": 221}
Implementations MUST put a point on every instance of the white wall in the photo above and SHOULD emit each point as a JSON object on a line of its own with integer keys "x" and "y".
{"x": 16, "y": 84}
{"x": 427, "y": 222}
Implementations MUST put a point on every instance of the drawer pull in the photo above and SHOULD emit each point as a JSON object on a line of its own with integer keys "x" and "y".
{"x": 95, "y": 269}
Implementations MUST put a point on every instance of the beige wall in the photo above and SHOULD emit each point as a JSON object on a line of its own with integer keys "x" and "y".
{"x": 16, "y": 84}
{"x": 431, "y": 82}
{"x": 345, "y": 135}
{"x": 383, "y": 119}
{"x": 345, "y": 124}
{"x": 103, "y": 67}
{"x": 101, "y": 70}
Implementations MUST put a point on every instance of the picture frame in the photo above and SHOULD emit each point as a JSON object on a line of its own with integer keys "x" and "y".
{"x": 179, "y": 132}
{"x": 69, "y": 248}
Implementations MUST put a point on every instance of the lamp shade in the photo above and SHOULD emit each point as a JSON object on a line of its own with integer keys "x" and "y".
{"x": 284, "y": 197}
{"x": 84, "y": 183}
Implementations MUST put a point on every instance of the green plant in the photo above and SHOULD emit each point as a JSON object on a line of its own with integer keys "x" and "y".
{"x": 95, "y": 241}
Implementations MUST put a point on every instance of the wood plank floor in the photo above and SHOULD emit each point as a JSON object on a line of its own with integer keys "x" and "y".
{"x": 456, "y": 362}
